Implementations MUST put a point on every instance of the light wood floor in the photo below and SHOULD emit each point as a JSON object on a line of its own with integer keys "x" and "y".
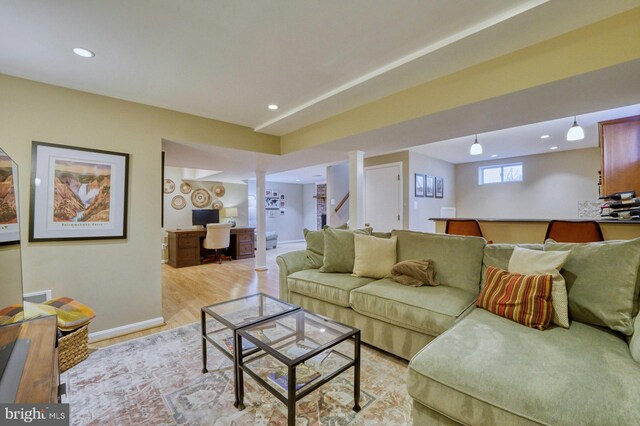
{"x": 186, "y": 290}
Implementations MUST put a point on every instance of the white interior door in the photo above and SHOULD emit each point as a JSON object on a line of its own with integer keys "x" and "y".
{"x": 383, "y": 197}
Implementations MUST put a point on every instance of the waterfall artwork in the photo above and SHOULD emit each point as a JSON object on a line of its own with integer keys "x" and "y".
{"x": 77, "y": 193}
{"x": 82, "y": 192}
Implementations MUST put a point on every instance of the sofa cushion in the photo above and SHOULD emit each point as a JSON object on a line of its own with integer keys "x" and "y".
{"x": 602, "y": 282}
{"x": 426, "y": 309}
{"x": 330, "y": 287}
{"x": 525, "y": 299}
{"x": 339, "y": 249}
{"x": 374, "y": 257}
{"x": 528, "y": 262}
{"x": 315, "y": 249}
{"x": 489, "y": 370}
{"x": 498, "y": 255}
{"x": 634, "y": 341}
{"x": 457, "y": 259}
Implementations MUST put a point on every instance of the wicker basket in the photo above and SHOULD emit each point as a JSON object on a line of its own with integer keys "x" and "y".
{"x": 74, "y": 347}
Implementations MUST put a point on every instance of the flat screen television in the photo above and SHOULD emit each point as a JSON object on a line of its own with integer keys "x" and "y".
{"x": 204, "y": 216}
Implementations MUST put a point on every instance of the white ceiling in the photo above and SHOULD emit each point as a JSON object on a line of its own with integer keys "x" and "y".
{"x": 228, "y": 59}
{"x": 525, "y": 140}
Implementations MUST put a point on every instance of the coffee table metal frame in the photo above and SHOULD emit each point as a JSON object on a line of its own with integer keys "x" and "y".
{"x": 234, "y": 329}
{"x": 292, "y": 396}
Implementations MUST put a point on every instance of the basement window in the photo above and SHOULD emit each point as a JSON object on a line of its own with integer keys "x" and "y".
{"x": 500, "y": 173}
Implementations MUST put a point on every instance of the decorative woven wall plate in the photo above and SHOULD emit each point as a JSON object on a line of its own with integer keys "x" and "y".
{"x": 169, "y": 186}
{"x": 218, "y": 190}
{"x": 217, "y": 205}
{"x": 200, "y": 198}
{"x": 178, "y": 202}
{"x": 185, "y": 188}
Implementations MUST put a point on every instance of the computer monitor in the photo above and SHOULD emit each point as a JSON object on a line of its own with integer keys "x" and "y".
{"x": 204, "y": 216}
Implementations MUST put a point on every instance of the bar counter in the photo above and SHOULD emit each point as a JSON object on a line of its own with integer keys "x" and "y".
{"x": 518, "y": 231}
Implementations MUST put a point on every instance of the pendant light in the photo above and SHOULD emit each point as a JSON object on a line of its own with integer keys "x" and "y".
{"x": 476, "y": 148}
{"x": 575, "y": 133}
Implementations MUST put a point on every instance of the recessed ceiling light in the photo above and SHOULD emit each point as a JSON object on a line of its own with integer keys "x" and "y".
{"x": 553, "y": 147}
{"x": 494, "y": 155}
{"x": 545, "y": 137}
{"x": 273, "y": 107}
{"x": 297, "y": 180}
{"x": 85, "y": 53}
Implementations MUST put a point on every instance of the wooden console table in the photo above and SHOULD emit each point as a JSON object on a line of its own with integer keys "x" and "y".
{"x": 185, "y": 245}
{"x": 40, "y": 381}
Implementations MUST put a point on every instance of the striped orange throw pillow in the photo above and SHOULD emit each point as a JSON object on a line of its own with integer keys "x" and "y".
{"x": 522, "y": 298}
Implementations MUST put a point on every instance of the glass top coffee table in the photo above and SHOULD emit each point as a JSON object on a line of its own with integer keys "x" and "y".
{"x": 297, "y": 352}
{"x": 233, "y": 315}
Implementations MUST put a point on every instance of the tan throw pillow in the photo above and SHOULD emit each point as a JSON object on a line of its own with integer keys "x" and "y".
{"x": 374, "y": 257}
{"x": 536, "y": 262}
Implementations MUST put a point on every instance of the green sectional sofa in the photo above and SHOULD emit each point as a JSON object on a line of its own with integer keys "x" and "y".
{"x": 469, "y": 366}
{"x": 393, "y": 317}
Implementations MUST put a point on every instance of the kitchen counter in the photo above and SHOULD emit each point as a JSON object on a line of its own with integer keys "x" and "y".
{"x": 520, "y": 231}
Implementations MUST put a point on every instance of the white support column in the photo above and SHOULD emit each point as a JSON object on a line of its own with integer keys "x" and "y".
{"x": 261, "y": 223}
{"x": 356, "y": 189}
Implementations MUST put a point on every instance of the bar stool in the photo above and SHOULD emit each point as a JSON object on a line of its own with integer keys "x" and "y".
{"x": 574, "y": 231}
{"x": 470, "y": 227}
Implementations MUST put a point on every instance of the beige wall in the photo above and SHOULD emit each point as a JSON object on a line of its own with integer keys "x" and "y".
{"x": 422, "y": 208}
{"x": 553, "y": 185}
{"x": 10, "y": 276}
{"x": 120, "y": 279}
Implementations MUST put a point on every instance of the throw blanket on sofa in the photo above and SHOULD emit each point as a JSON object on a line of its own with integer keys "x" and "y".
{"x": 414, "y": 273}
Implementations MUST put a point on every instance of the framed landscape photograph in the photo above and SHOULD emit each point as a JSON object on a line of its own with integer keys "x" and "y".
{"x": 9, "y": 226}
{"x": 439, "y": 187}
{"x": 77, "y": 193}
{"x": 419, "y": 185}
{"x": 429, "y": 186}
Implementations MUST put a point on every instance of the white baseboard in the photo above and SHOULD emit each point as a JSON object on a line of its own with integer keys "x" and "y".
{"x": 291, "y": 241}
{"x": 164, "y": 261}
{"x": 125, "y": 329}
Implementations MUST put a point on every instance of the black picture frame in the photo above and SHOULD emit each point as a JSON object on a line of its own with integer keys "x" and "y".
{"x": 429, "y": 186}
{"x": 439, "y": 188}
{"x": 56, "y": 171}
{"x": 419, "y": 185}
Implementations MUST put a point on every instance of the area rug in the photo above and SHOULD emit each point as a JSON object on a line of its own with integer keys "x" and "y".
{"x": 157, "y": 380}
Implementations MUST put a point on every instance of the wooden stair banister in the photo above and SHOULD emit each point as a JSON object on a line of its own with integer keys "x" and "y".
{"x": 340, "y": 204}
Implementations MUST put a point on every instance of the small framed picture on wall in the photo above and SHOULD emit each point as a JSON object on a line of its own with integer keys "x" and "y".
{"x": 439, "y": 187}
{"x": 429, "y": 185}
{"x": 419, "y": 185}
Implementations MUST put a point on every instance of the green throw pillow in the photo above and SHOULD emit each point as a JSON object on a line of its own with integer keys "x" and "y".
{"x": 315, "y": 249}
{"x": 602, "y": 282}
{"x": 339, "y": 249}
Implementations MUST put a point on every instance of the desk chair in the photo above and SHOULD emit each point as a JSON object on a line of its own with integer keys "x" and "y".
{"x": 218, "y": 237}
{"x": 574, "y": 231}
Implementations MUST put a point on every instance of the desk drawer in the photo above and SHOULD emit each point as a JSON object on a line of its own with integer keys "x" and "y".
{"x": 245, "y": 236}
{"x": 187, "y": 242}
{"x": 245, "y": 249}
{"x": 187, "y": 254}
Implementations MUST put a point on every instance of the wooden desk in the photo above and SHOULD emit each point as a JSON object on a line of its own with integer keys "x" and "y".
{"x": 185, "y": 245}
{"x": 40, "y": 379}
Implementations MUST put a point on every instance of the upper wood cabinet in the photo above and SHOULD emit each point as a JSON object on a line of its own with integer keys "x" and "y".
{"x": 620, "y": 147}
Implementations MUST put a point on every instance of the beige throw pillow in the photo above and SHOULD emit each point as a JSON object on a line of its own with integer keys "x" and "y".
{"x": 536, "y": 262}
{"x": 374, "y": 256}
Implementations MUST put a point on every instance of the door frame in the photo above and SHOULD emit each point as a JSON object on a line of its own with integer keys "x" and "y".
{"x": 401, "y": 183}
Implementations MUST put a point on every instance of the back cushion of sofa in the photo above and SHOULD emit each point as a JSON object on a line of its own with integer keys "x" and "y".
{"x": 498, "y": 255}
{"x": 602, "y": 282}
{"x": 457, "y": 259}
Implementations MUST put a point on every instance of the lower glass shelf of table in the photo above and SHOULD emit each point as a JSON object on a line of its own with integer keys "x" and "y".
{"x": 295, "y": 353}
